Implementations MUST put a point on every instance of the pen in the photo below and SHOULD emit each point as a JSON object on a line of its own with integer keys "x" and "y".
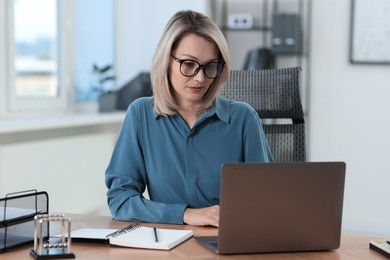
{"x": 155, "y": 234}
{"x": 388, "y": 242}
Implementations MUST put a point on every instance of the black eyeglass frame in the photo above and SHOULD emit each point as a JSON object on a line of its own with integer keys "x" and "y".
{"x": 200, "y": 67}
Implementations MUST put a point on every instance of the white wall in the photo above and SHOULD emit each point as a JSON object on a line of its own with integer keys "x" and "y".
{"x": 349, "y": 119}
{"x": 68, "y": 164}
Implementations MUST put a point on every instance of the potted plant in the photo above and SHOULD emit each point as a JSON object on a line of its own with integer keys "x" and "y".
{"x": 107, "y": 98}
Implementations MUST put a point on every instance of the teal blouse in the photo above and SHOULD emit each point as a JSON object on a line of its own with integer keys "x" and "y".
{"x": 179, "y": 166}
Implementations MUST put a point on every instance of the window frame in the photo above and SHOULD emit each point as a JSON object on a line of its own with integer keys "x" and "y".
{"x": 3, "y": 73}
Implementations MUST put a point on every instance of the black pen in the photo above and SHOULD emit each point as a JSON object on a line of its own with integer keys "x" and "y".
{"x": 388, "y": 242}
{"x": 155, "y": 234}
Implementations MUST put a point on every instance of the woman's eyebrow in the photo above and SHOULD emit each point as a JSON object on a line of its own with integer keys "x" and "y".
{"x": 195, "y": 58}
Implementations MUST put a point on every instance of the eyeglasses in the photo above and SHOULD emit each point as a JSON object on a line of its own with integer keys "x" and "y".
{"x": 189, "y": 68}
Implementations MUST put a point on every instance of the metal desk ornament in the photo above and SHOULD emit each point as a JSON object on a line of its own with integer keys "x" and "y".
{"x": 46, "y": 248}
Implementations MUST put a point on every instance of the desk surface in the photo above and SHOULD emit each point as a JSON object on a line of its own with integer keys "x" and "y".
{"x": 352, "y": 247}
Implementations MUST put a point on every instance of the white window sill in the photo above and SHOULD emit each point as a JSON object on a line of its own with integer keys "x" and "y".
{"x": 20, "y": 125}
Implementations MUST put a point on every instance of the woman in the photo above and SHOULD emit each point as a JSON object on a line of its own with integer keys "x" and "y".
{"x": 175, "y": 142}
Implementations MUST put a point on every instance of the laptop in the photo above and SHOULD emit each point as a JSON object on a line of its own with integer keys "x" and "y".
{"x": 279, "y": 207}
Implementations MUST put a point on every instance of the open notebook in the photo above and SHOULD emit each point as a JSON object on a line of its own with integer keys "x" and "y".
{"x": 135, "y": 235}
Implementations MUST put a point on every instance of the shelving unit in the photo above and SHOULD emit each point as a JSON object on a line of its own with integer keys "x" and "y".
{"x": 262, "y": 34}
{"x": 268, "y": 20}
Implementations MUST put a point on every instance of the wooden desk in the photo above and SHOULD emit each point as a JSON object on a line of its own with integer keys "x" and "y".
{"x": 352, "y": 247}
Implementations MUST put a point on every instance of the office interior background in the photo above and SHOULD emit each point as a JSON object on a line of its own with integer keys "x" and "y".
{"x": 64, "y": 149}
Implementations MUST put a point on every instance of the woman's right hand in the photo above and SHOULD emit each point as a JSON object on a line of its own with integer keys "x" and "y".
{"x": 202, "y": 216}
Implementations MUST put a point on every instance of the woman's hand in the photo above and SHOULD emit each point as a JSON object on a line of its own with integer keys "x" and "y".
{"x": 202, "y": 216}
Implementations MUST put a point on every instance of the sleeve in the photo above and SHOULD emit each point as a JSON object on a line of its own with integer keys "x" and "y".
{"x": 255, "y": 141}
{"x": 126, "y": 180}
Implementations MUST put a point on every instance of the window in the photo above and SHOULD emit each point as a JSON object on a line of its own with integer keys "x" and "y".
{"x": 93, "y": 43}
{"x": 49, "y": 50}
{"x": 37, "y": 66}
{"x": 35, "y": 40}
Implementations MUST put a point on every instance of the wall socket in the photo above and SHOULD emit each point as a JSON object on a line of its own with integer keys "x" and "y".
{"x": 240, "y": 21}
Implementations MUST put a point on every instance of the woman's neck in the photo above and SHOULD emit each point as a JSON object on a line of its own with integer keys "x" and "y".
{"x": 189, "y": 116}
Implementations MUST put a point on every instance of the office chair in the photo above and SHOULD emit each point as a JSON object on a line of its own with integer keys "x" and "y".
{"x": 274, "y": 94}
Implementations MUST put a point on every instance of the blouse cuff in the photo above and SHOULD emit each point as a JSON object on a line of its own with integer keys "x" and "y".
{"x": 173, "y": 213}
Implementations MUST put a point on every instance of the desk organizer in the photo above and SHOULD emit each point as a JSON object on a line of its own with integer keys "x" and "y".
{"x": 17, "y": 212}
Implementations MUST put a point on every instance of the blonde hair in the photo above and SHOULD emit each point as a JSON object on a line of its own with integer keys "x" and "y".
{"x": 183, "y": 23}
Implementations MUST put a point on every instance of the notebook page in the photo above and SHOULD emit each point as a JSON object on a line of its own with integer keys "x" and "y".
{"x": 143, "y": 237}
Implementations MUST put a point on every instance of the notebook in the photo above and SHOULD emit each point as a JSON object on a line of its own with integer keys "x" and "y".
{"x": 135, "y": 236}
{"x": 279, "y": 207}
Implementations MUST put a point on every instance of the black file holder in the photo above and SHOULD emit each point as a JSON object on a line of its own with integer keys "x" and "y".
{"x": 17, "y": 212}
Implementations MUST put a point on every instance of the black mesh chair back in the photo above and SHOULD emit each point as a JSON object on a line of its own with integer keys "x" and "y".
{"x": 274, "y": 94}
